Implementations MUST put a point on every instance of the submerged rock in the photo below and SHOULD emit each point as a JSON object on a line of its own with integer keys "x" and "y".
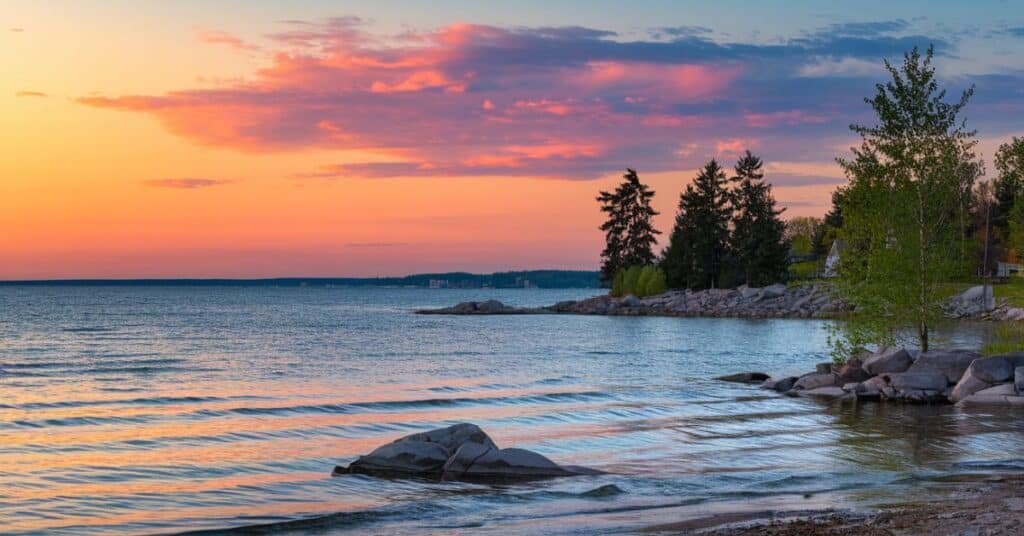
{"x": 744, "y": 377}
{"x": 459, "y": 452}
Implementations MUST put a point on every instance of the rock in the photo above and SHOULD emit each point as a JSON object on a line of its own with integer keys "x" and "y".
{"x": 773, "y": 291}
{"x": 1000, "y": 394}
{"x": 491, "y": 307}
{"x": 814, "y": 381}
{"x": 453, "y": 453}
{"x": 823, "y": 368}
{"x": 850, "y": 387}
{"x": 745, "y": 377}
{"x": 822, "y": 392}
{"x": 993, "y": 369}
{"x": 1018, "y": 379}
{"x": 923, "y": 381}
{"x": 851, "y": 372}
{"x": 972, "y": 302}
{"x": 749, "y": 292}
{"x": 478, "y": 461}
{"x": 871, "y": 388}
{"x": 630, "y": 301}
{"x": 951, "y": 363}
{"x": 967, "y": 386}
{"x": 887, "y": 360}
{"x": 781, "y": 385}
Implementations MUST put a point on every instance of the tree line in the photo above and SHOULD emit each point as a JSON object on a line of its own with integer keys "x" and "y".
{"x": 727, "y": 232}
{"x": 914, "y": 222}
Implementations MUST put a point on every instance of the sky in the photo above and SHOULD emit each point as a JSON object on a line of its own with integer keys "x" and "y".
{"x": 309, "y": 138}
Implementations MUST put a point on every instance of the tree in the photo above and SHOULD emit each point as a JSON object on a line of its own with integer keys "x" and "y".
{"x": 758, "y": 240}
{"x": 831, "y": 223}
{"x": 801, "y": 232}
{"x": 629, "y": 233}
{"x": 900, "y": 208}
{"x": 697, "y": 247}
{"x": 1008, "y": 184}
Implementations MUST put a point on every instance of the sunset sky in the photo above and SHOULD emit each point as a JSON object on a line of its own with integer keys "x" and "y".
{"x": 363, "y": 138}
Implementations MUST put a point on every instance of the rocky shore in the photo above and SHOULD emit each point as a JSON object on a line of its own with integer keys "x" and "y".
{"x": 896, "y": 374}
{"x": 815, "y": 300}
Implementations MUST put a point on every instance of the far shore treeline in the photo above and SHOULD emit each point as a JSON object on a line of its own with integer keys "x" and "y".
{"x": 914, "y": 224}
{"x": 513, "y": 279}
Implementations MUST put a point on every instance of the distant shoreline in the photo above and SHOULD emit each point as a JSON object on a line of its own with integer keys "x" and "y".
{"x": 547, "y": 279}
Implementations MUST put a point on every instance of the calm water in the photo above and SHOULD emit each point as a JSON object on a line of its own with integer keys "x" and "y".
{"x": 155, "y": 410}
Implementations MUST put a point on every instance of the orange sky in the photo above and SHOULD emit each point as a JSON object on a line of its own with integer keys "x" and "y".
{"x": 159, "y": 146}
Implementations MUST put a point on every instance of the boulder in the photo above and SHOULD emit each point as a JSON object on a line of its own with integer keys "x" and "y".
{"x": 781, "y": 385}
{"x": 630, "y": 301}
{"x": 951, "y": 363}
{"x": 967, "y": 386}
{"x": 814, "y": 381}
{"x": 1000, "y": 394}
{"x": 871, "y": 388}
{"x": 749, "y": 292}
{"x": 973, "y": 301}
{"x": 887, "y": 360}
{"x": 993, "y": 369}
{"x": 453, "y": 453}
{"x": 474, "y": 461}
{"x": 851, "y": 372}
{"x": 923, "y": 381}
{"x": 745, "y": 377}
{"x": 773, "y": 291}
{"x": 823, "y": 368}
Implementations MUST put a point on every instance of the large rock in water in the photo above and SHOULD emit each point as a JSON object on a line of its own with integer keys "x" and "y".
{"x": 951, "y": 363}
{"x": 887, "y": 360}
{"x": 459, "y": 452}
{"x": 814, "y": 381}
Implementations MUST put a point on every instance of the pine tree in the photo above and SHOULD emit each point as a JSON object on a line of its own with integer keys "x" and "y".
{"x": 758, "y": 242}
{"x": 698, "y": 245}
{"x": 629, "y": 231}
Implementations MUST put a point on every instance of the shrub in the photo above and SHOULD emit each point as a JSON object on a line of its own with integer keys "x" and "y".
{"x": 631, "y": 279}
{"x": 655, "y": 283}
{"x": 618, "y": 282}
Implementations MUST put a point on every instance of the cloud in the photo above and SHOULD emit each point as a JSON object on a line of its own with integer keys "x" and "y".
{"x": 559, "y": 102}
{"x": 187, "y": 183}
{"x": 223, "y": 38}
{"x": 1016, "y": 32}
{"x": 17, "y": 30}
{"x": 25, "y": 93}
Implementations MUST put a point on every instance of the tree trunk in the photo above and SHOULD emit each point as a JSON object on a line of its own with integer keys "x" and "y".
{"x": 922, "y": 306}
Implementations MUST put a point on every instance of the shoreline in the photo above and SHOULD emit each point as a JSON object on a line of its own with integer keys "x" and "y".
{"x": 994, "y": 505}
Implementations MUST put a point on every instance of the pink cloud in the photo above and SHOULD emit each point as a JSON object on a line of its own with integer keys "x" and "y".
{"x": 735, "y": 146}
{"x": 224, "y": 38}
{"x": 569, "y": 107}
{"x": 186, "y": 183}
{"x": 25, "y": 93}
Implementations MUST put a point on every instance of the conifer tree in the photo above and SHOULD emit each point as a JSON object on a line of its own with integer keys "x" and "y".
{"x": 757, "y": 243}
{"x": 698, "y": 245}
{"x": 629, "y": 231}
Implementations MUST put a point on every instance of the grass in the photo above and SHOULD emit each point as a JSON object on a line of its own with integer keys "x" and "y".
{"x": 1008, "y": 337}
{"x": 1011, "y": 291}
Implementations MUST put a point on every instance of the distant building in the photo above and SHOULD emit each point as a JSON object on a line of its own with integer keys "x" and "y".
{"x": 1008, "y": 269}
{"x": 438, "y": 283}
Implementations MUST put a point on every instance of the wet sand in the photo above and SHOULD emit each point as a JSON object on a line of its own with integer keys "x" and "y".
{"x": 993, "y": 506}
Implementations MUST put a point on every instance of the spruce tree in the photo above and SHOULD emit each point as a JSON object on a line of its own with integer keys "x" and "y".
{"x": 629, "y": 232}
{"x": 698, "y": 245}
{"x": 758, "y": 237}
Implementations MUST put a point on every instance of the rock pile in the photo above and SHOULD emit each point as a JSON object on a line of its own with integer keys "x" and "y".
{"x": 774, "y": 301}
{"x": 936, "y": 376}
{"x": 459, "y": 452}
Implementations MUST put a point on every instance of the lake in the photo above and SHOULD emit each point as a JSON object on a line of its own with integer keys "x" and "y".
{"x": 149, "y": 409}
